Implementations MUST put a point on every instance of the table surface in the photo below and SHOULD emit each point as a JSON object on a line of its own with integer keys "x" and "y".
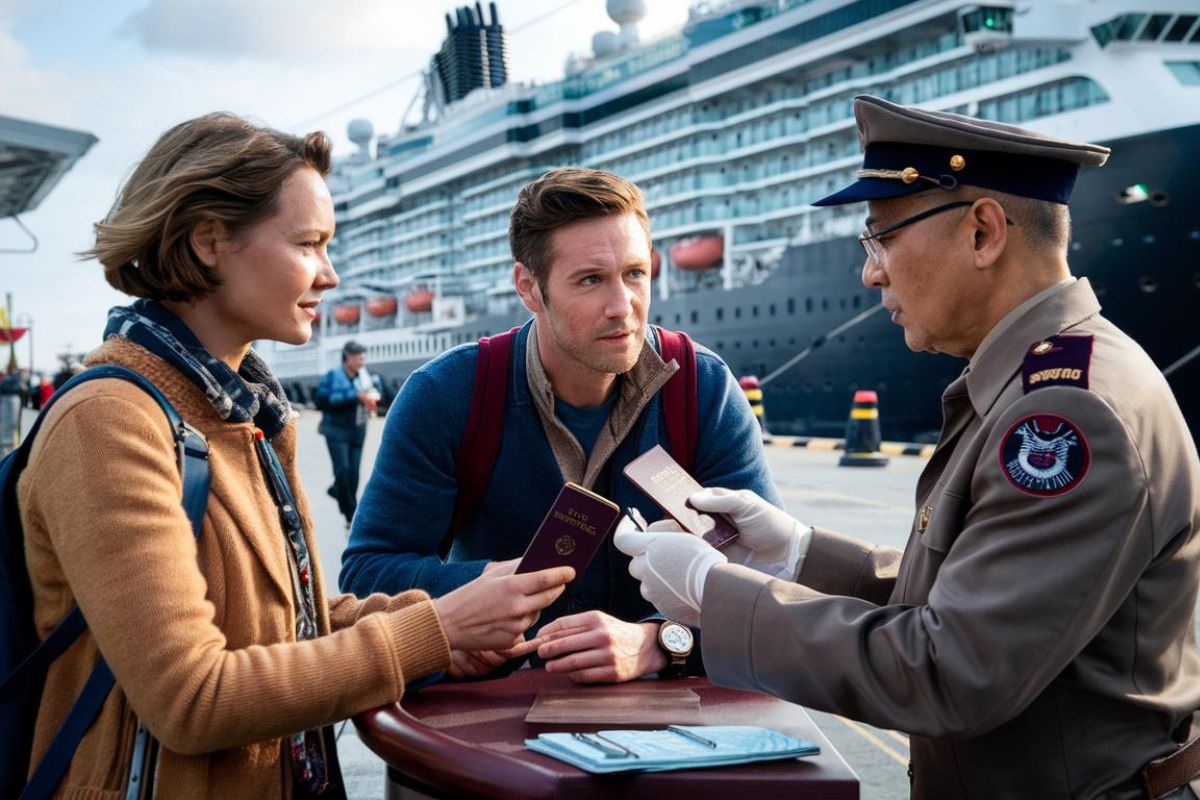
{"x": 468, "y": 739}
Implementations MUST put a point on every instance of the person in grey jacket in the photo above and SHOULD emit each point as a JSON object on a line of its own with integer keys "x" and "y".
{"x": 1036, "y": 636}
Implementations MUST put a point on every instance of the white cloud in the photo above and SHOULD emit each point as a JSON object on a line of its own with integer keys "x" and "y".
{"x": 301, "y": 30}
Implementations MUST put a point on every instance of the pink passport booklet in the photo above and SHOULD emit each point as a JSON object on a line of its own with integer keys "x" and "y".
{"x": 668, "y": 485}
{"x": 572, "y": 532}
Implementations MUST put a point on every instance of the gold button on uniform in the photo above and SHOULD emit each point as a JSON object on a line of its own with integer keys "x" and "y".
{"x": 957, "y": 162}
{"x": 909, "y": 174}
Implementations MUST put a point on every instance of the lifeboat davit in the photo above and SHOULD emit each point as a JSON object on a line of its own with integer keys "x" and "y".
{"x": 419, "y": 300}
{"x": 382, "y": 306}
{"x": 347, "y": 313}
{"x": 698, "y": 252}
{"x": 655, "y": 263}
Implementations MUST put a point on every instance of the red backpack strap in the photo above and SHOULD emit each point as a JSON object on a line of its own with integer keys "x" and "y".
{"x": 679, "y": 396}
{"x": 480, "y": 445}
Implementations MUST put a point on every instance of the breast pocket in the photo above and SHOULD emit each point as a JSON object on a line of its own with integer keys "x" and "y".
{"x": 938, "y": 524}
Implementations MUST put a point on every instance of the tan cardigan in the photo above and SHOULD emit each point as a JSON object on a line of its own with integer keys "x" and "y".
{"x": 202, "y": 644}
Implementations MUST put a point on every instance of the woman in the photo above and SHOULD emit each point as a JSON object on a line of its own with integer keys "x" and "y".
{"x": 225, "y": 646}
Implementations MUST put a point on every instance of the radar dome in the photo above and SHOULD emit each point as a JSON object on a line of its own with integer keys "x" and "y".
{"x": 604, "y": 43}
{"x": 625, "y": 12}
{"x": 360, "y": 131}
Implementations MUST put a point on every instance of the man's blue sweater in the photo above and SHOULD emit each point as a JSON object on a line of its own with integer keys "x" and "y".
{"x": 409, "y": 499}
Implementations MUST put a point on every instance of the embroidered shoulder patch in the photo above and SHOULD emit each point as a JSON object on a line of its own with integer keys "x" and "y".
{"x": 1044, "y": 455}
{"x": 1057, "y": 361}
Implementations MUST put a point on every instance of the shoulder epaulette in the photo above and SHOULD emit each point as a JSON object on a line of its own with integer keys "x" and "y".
{"x": 1057, "y": 361}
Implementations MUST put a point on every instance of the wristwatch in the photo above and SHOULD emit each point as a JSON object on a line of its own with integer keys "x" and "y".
{"x": 676, "y": 641}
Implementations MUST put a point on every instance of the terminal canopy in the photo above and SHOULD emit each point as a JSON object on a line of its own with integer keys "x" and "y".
{"x": 33, "y": 158}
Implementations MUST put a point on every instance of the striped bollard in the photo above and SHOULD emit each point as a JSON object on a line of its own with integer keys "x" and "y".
{"x": 862, "y": 433}
{"x": 754, "y": 394}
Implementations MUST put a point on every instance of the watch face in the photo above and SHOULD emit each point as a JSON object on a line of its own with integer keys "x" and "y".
{"x": 676, "y": 638}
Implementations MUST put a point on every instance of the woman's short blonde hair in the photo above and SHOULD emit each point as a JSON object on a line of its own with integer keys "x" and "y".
{"x": 218, "y": 167}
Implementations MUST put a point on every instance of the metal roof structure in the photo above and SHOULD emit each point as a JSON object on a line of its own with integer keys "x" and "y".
{"x": 33, "y": 158}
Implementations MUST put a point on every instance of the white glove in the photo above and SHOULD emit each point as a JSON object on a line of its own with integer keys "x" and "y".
{"x": 769, "y": 540}
{"x": 672, "y": 568}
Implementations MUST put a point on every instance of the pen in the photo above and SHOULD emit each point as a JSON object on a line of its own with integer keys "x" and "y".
{"x": 695, "y": 737}
{"x": 638, "y": 520}
{"x": 610, "y": 748}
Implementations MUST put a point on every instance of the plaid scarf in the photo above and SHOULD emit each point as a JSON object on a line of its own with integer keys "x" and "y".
{"x": 250, "y": 394}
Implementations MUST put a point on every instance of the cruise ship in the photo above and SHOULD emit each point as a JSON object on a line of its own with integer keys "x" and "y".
{"x": 732, "y": 126}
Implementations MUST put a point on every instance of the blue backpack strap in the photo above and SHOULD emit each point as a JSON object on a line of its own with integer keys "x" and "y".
{"x": 192, "y": 454}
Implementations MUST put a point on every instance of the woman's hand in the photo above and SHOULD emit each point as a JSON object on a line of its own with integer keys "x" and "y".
{"x": 492, "y": 612}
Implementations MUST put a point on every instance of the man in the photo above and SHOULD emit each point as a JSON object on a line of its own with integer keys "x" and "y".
{"x": 1035, "y": 638}
{"x": 348, "y": 397}
{"x": 583, "y": 400}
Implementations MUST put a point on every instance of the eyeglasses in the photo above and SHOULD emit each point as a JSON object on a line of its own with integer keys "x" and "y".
{"x": 869, "y": 239}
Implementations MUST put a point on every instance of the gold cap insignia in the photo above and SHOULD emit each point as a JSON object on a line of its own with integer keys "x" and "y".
{"x": 957, "y": 162}
{"x": 909, "y": 174}
{"x": 1041, "y": 348}
{"x": 923, "y": 520}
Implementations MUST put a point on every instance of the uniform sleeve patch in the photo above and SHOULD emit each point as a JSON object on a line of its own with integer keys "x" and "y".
{"x": 1057, "y": 361}
{"x": 1044, "y": 455}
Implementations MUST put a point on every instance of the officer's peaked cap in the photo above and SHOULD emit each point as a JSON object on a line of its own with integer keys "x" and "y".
{"x": 908, "y": 150}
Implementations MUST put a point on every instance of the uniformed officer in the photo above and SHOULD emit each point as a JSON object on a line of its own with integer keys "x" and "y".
{"x": 1035, "y": 638}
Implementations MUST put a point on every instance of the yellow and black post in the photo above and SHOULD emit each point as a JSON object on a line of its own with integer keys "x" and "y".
{"x": 862, "y": 433}
{"x": 754, "y": 394}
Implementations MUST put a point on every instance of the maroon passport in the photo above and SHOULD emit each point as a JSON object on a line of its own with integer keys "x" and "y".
{"x": 669, "y": 485}
{"x": 572, "y": 531}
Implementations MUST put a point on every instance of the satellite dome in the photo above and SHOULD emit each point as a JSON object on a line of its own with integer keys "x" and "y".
{"x": 625, "y": 12}
{"x": 604, "y": 43}
{"x": 360, "y": 131}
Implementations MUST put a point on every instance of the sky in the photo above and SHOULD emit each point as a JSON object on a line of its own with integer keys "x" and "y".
{"x": 126, "y": 70}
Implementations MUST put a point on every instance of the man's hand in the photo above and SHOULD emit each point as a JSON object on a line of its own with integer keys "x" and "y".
{"x": 672, "y": 568}
{"x": 491, "y": 613}
{"x": 594, "y": 647}
{"x": 474, "y": 663}
{"x": 370, "y": 401}
{"x": 495, "y": 569}
{"x": 769, "y": 540}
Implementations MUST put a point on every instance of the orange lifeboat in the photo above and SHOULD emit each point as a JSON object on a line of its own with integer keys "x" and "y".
{"x": 655, "y": 263}
{"x": 698, "y": 252}
{"x": 347, "y": 313}
{"x": 419, "y": 300}
{"x": 382, "y": 306}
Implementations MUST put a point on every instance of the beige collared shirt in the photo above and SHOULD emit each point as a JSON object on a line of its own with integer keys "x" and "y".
{"x": 636, "y": 387}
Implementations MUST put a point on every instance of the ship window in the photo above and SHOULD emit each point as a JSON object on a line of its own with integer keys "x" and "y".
{"x": 1154, "y": 27}
{"x": 1127, "y": 25}
{"x": 695, "y": 316}
{"x": 737, "y": 345}
{"x": 1183, "y": 24}
{"x": 791, "y": 305}
{"x": 1186, "y": 72}
{"x": 678, "y": 319}
{"x": 720, "y": 346}
{"x": 754, "y": 344}
{"x": 754, "y": 311}
{"x": 720, "y": 315}
{"x": 856, "y": 301}
{"x": 737, "y": 313}
{"x": 771, "y": 343}
{"x": 808, "y": 305}
{"x": 824, "y": 303}
{"x": 658, "y": 319}
{"x": 771, "y": 309}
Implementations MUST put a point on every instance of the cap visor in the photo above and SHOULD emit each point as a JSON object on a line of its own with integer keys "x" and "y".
{"x": 871, "y": 189}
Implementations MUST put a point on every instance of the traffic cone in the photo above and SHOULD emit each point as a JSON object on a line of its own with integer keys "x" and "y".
{"x": 754, "y": 394}
{"x": 862, "y": 433}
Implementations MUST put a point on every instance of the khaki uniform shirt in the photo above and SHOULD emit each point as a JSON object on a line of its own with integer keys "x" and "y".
{"x": 1036, "y": 636}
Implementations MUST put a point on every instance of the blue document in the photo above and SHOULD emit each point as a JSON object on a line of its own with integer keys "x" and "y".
{"x": 674, "y": 747}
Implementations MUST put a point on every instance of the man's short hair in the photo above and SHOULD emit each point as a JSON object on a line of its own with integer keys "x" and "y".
{"x": 560, "y": 197}
{"x": 352, "y": 348}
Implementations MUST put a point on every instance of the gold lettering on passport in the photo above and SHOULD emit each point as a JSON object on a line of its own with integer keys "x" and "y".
{"x": 576, "y": 520}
